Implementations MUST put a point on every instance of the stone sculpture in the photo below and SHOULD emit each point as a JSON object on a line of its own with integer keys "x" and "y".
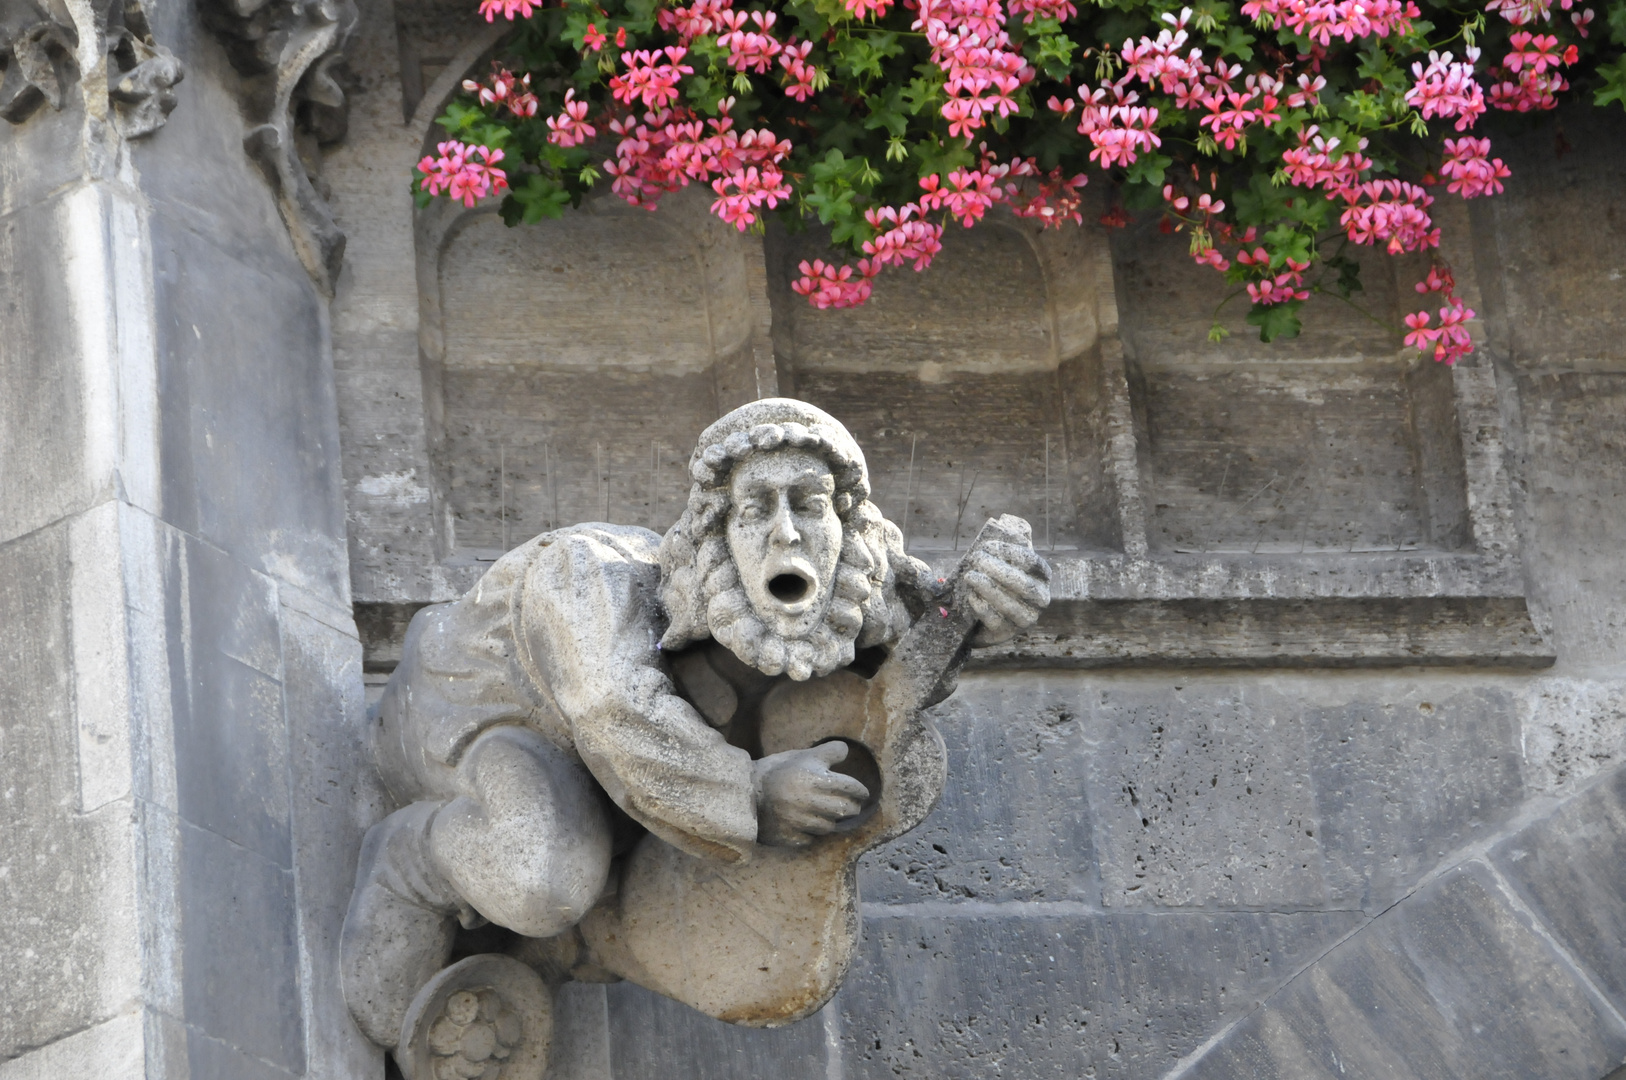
{"x": 660, "y": 758}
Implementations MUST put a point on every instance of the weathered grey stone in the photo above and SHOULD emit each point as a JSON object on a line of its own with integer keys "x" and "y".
{"x": 1404, "y": 774}
{"x": 247, "y": 406}
{"x": 1014, "y": 822}
{"x": 651, "y": 1034}
{"x": 239, "y": 949}
{"x": 231, "y": 733}
{"x": 65, "y": 876}
{"x": 1450, "y": 983}
{"x": 1017, "y": 991}
{"x": 1571, "y": 869}
{"x": 720, "y": 738}
{"x": 1201, "y": 797}
{"x": 335, "y": 794}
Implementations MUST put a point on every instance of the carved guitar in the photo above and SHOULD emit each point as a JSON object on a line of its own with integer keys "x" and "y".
{"x": 768, "y": 941}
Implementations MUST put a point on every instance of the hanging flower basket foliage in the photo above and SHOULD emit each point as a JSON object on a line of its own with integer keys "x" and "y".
{"x": 1275, "y": 134}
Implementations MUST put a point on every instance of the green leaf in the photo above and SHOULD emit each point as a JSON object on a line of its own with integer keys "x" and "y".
{"x": 1234, "y": 41}
{"x": 1148, "y": 169}
{"x": 537, "y": 198}
{"x": 1276, "y": 320}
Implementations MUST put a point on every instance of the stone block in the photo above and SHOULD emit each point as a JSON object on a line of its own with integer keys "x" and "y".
{"x": 112, "y": 1050}
{"x": 1450, "y": 984}
{"x": 1051, "y": 997}
{"x": 1201, "y": 793}
{"x": 655, "y": 1038}
{"x": 67, "y": 880}
{"x": 1572, "y": 729}
{"x": 247, "y": 399}
{"x": 1562, "y": 266}
{"x": 581, "y": 1033}
{"x": 1574, "y": 432}
{"x": 1014, "y": 821}
{"x": 44, "y": 436}
{"x": 336, "y": 795}
{"x": 240, "y": 951}
{"x": 1571, "y": 869}
{"x": 208, "y": 1057}
{"x": 231, "y": 734}
{"x": 1404, "y": 772}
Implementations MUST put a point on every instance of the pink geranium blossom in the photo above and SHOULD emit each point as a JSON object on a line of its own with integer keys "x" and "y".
{"x": 1446, "y": 88}
{"x": 466, "y": 173}
{"x": 827, "y": 286}
{"x": 1471, "y": 170}
{"x": 1391, "y": 211}
{"x": 508, "y": 9}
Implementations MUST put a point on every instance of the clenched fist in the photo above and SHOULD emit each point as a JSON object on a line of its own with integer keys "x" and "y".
{"x": 800, "y": 798}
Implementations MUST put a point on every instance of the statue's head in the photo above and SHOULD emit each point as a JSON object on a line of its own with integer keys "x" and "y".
{"x": 780, "y": 555}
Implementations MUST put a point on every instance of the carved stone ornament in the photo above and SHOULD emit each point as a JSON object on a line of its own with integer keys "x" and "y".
{"x": 40, "y": 49}
{"x": 660, "y": 758}
{"x": 291, "y": 51}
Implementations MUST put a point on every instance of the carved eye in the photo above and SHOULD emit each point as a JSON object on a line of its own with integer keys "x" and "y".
{"x": 815, "y": 502}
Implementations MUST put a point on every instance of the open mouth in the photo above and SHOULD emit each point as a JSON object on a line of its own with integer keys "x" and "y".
{"x": 789, "y": 588}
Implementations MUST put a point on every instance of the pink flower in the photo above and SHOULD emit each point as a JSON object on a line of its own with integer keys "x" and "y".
{"x": 1395, "y": 212}
{"x": 969, "y": 194}
{"x": 904, "y": 240}
{"x": 1315, "y": 162}
{"x": 571, "y": 127}
{"x": 1536, "y": 52}
{"x": 1447, "y": 89}
{"x": 466, "y": 173}
{"x": 1436, "y": 282}
{"x": 648, "y": 79}
{"x": 1522, "y": 12}
{"x": 740, "y": 193}
{"x": 1533, "y": 92}
{"x": 1323, "y": 20}
{"x": 749, "y": 50}
{"x": 827, "y": 286}
{"x": 1471, "y": 170}
{"x": 804, "y": 77}
{"x": 1283, "y": 287}
{"x": 1450, "y": 340}
{"x": 1582, "y": 19}
{"x": 700, "y": 17}
{"x": 508, "y": 9}
{"x": 594, "y": 38}
{"x": 505, "y": 91}
{"x": 1060, "y": 10}
{"x": 863, "y": 9}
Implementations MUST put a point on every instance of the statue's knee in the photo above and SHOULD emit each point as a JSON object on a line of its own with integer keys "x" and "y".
{"x": 529, "y": 846}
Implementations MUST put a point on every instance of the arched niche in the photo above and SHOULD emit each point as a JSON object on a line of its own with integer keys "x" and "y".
{"x": 1337, "y": 441}
{"x": 976, "y": 387}
{"x": 570, "y": 365}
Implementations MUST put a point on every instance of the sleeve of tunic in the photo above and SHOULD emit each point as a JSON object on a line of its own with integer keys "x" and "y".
{"x": 588, "y": 625}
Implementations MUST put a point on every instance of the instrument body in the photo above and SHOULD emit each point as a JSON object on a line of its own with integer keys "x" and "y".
{"x": 767, "y": 941}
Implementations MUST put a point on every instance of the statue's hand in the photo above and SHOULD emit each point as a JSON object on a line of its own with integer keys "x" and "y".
{"x": 1007, "y": 585}
{"x": 799, "y": 798}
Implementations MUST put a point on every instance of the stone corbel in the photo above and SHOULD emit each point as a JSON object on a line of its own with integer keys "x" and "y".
{"x": 291, "y": 52}
{"x": 40, "y": 49}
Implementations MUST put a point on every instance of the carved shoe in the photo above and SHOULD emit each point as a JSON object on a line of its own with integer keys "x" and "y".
{"x": 488, "y": 1017}
{"x": 399, "y": 928}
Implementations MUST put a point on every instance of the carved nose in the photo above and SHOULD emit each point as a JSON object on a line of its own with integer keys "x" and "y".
{"x": 784, "y": 529}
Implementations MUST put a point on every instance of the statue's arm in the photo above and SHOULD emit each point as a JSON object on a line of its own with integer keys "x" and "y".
{"x": 590, "y": 619}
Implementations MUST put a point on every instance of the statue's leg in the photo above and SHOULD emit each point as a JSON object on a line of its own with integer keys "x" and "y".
{"x": 399, "y": 928}
{"x": 528, "y": 844}
{"x": 524, "y": 842}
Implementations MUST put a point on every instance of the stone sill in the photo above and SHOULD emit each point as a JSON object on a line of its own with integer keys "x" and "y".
{"x": 1369, "y": 632}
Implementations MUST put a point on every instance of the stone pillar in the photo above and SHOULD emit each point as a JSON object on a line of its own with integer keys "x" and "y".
{"x": 180, "y": 693}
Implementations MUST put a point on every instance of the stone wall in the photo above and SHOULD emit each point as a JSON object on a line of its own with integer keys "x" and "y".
{"x": 181, "y": 792}
{"x": 1314, "y": 769}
